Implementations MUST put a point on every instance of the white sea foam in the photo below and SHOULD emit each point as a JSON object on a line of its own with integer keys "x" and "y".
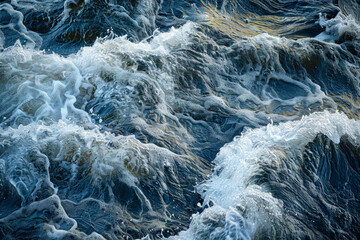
{"x": 238, "y": 160}
{"x": 106, "y": 153}
{"x": 158, "y": 44}
{"x": 43, "y": 100}
{"x": 230, "y": 192}
{"x": 119, "y": 58}
{"x": 337, "y": 27}
{"x": 39, "y": 86}
{"x": 105, "y": 159}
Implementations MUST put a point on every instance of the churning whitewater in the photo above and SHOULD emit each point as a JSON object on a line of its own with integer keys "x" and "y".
{"x": 179, "y": 120}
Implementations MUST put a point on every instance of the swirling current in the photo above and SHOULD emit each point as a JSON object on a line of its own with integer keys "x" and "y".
{"x": 180, "y": 120}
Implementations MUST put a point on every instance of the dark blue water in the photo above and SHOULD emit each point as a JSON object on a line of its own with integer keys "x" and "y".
{"x": 155, "y": 119}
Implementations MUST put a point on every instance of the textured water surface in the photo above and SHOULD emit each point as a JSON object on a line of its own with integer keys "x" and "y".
{"x": 156, "y": 119}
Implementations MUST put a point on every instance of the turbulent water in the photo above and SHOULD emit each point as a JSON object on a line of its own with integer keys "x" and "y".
{"x": 179, "y": 120}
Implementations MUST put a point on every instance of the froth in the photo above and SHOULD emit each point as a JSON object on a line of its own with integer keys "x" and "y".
{"x": 339, "y": 29}
{"x": 231, "y": 192}
{"x": 269, "y": 144}
{"x": 38, "y": 86}
{"x": 158, "y": 44}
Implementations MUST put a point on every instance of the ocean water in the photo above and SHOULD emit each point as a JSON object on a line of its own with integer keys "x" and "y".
{"x": 179, "y": 120}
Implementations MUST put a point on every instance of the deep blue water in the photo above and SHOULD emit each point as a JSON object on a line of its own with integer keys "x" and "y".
{"x": 156, "y": 119}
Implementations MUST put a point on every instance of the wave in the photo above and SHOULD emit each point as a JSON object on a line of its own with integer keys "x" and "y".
{"x": 293, "y": 180}
{"x": 53, "y": 146}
